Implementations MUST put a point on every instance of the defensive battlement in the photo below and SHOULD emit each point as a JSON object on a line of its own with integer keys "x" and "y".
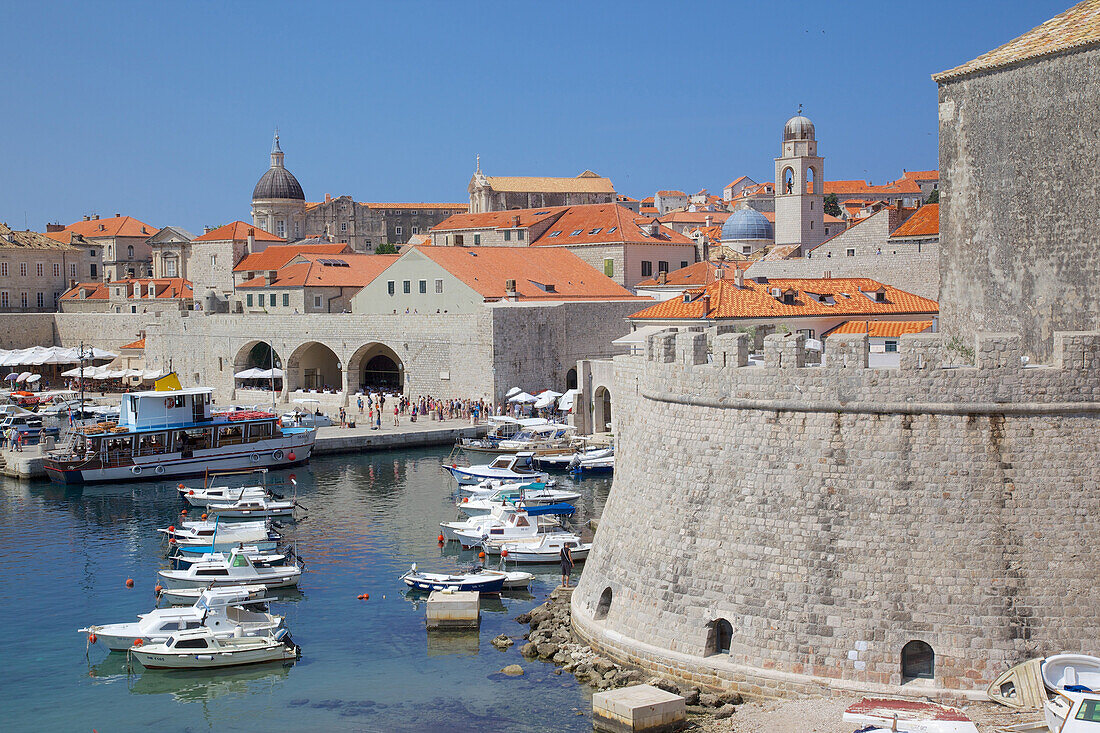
{"x": 932, "y": 373}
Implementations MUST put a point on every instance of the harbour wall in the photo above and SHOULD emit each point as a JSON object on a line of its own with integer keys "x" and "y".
{"x": 831, "y": 515}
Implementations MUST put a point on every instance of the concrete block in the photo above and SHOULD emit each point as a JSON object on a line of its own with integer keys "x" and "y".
{"x": 458, "y": 610}
{"x": 638, "y": 708}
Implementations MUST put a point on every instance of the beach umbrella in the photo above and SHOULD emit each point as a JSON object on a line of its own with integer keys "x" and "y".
{"x": 12, "y": 377}
{"x": 568, "y": 399}
{"x": 74, "y": 372}
{"x": 546, "y": 399}
{"x": 523, "y": 398}
{"x": 151, "y": 374}
{"x": 33, "y": 378}
{"x": 101, "y": 354}
{"x": 248, "y": 373}
{"x": 23, "y": 376}
{"x": 513, "y": 391}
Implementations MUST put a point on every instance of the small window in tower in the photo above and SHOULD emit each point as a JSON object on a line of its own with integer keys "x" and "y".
{"x": 423, "y": 287}
{"x": 397, "y": 231}
{"x": 439, "y": 286}
{"x": 850, "y": 252}
{"x": 316, "y": 301}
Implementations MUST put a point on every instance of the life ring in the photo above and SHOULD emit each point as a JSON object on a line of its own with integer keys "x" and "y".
{"x": 168, "y": 401}
{"x": 158, "y": 470}
{"x": 255, "y": 458}
{"x": 277, "y": 455}
{"x": 136, "y": 470}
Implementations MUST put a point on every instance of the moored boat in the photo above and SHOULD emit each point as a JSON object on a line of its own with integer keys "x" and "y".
{"x": 546, "y": 550}
{"x": 237, "y": 569}
{"x": 524, "y": 496}
{"x": 252, "y": 508}
{"x": 480, "y": 582}
{"x": 201, "y": 649}
{"x": 507, "y": 467}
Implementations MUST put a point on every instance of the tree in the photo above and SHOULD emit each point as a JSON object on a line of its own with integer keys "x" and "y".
{"x": 934, "y": 197}
{"x": 385, "y": 249}
{"x": 832, "y": 206}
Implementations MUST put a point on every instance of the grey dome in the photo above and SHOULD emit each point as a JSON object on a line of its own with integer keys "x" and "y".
{"x": 278, "y": 183}
{"x": 798, "y": 128}
{"x": 747, "y": 223}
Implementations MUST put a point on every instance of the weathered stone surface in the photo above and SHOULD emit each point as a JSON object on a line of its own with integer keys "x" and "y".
{"x": 725, "y": 711}
{"x": 529, "y": 650}
{"x": 502, "y": 642}
{"x": 513, "y": 670}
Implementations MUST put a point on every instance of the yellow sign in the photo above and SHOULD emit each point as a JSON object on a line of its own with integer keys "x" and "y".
{"x": 168, "y": 383}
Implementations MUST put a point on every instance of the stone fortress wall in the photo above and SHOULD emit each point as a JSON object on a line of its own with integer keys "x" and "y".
{"x": 833, "y": 514}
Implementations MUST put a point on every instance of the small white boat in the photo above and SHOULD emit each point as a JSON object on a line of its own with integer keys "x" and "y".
{"x": 528, "y": 495}
{"x": 1069, "y": 671}
{"x": 204, "y": 497}
{"x": 602, "y": 464}
{"x": 546, "y": 550}
{"x": 236, "y": 569}
{"x": 201, "y": 649}
{"x": 909, "y": 716}
{"x": 477, "y": 582}
{"x": 206, "y": 530}
{"x": 507, "y": 468}
{"x": 217, "y": 609}
{"x": 257, "y": 557}
{"x": 513, "y": 579}
{"x": 1073, "y": 712}
{"x": 255, "y": 507}
{"x": 488, "y": 486}
{"x": 500, "y": 516}
{"x": 564, "y": 461}
{"x": 188, "y": 596}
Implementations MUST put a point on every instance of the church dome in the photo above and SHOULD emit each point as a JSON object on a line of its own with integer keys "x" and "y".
{"x": 798, "y": 128}
{"x": 278, "y": 183}
{"x": 747, "y": 223}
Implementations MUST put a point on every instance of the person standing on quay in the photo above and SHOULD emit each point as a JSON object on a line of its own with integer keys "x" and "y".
{"x": 566, "y": 565}
{"x": 395, "y": 413}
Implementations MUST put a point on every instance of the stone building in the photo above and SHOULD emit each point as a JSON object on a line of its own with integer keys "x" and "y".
{"x": 124, "y": 242}
{"x": 666, "y": 201}
{"x": 216, "y": 253}
{"x": 35, "y": 269}
{"x": 310, "y": 283}
{"x": 1014, "y": 259}
{"x": 170, "y": 249}
{"x": 503, "y": 193}
{"x": 129, "y": 295}
{"x": 279, "y": 206}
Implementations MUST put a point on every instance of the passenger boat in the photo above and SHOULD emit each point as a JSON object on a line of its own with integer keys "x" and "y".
{"x": 218, "y": 609}
{"x": 545, "y": 550}
{"x": 480, "y": 582}
{"x": 165, "y": 434}
{"x": 522, "y": 495}
{"x": 501, "y": 427}
{"x": 507, "y": 468}
{"x": 201, "y": 649}
{"x": 236, "y": 569}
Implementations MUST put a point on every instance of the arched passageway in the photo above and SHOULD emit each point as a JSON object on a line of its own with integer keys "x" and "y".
{"x": 255, "y": 357}
{"x": 314, "y": 367}
{"x": 376, "y": 367}
{"x": 601, "y": 410}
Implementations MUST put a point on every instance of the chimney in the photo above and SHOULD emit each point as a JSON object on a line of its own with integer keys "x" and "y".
{"x": 709, "y": 220}
{"x": 509, "y": 289}
{"x": 55, "y": 227}
{"x": 270, "y": 279}
{"x": 328, "y": 198}
{"x": 207, "y": 229}
{"x": 739, "y": 277}
{"x": 719, "y": 273}
{"x": 87, "y": 218}
{"x": 515, "y": 221}
{"x": 95, "y": 217}
{"x": 662, "y": 277}
{"x": 706, "y": 304}
{"x": 118, "y": 215}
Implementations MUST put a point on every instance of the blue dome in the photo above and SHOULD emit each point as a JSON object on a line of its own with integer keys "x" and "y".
{"x": 747, "y": 223}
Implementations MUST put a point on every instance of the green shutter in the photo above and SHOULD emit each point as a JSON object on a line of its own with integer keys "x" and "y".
{"x": 609, "y": 267}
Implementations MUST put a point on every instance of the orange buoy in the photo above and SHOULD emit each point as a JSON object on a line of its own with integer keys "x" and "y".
{"x": 504, "y": 553}
{"x": 171, "y": 540}
{"x": 465, "y": 499}
{"x": 189, "y": 493}
{"x": 366, "y": 596}
{"x": 171, "y": 528}
{"x": 440, "y": 538}
{"x": 129, "y": 582}
{"x": 158, "y": 588}
{"x": 481, "y": 555}
{"x": 138, "y": 642}
{"x": 181, "y": 486}
{"x": 291, "y": 457}
{"x": 92, "y": 638}
{"x": 183, "y": 512}
{"x": 204, "y": 516}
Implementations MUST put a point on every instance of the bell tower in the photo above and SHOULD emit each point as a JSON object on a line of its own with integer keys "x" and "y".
{"x": 799, "y": 186}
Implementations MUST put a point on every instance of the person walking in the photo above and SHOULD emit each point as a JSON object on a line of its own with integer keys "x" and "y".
{"x": 566, "y": 558}
{"x": 378, "y": 419}
{"x": 360, "y": 400}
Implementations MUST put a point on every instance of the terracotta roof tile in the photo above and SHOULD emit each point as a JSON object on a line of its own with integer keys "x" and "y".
{"x": 116, "y": 226}
{"x": 586, "y": 182}
{"x": 275, "y": 256}
{"x": 671, "y": 193}
{"x": 924, "y": 223}
{"x": 754, "y": 300}
{"x": 604, "y": 224}
{"x": 139, "y": 344}
{"x": 889, "y": 329}
{"x": 164, "y": 288}
{"x": 327, "y": 270}
{"x": 1075, "y": 28}
{"x": 238, "y": 231}
{"x": 697, "y": 275}
{"x": 13, "y": 239}
{"x": 422, "y": 205}
{"x": 693, "y": 217}
{"x": 485, "y": 269}
{"x": 499, "y": 219}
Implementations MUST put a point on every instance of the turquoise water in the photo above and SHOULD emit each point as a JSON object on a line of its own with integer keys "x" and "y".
{"x": 366, "y": 665}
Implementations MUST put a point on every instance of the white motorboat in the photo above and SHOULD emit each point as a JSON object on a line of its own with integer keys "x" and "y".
{"x": 477, "y": 582}
{"x": 1070, "y": 671}
{"x": 216, "y": 536}
{"x": 546, "y": 550}
{"x": 165, "y": 434}
{"x": 217, "y": 609}
{"x": 601, "y": 464}
{"x": 217, "y": 545}
{"x": 513, "y": 579}
{"x": 501, "y": 427}
{"x": 499, "y": 516}
{"x": 188, "y": 596}
{"x": 488, "y": 486}
{"x": 528, "y": 495}
{"x": 205, "y": 497}
{"x": 201, "y": 649}
{"x": 257, "y": 557}
{"x": 1073, "y": 712}
{"x": 251, "y": 508}
{"x": 236, "y": 569}
{"x": 507, "y": 467}
{"x": 562, "y": 461}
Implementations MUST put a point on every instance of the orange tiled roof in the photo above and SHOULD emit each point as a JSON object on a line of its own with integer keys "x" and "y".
{"x": 238, "y": 231}
{"x": 754, "y": 300}
{"x": 693, "y": 217}
{"x": 587, "y": 182}
{"x": 889, "y": 329}
{"x": 422, "y": 205}
{"x": 671, "y": 193}
{"x": 319, "y": 270}
{"x": 922, "y": 175}
{"x": 139, "y": 344}
{"x": 648, "y": 200}
{"x": 924, "y": 223}
{"x": 499, "y": 219}
{"x": 275, "y": 256}
{"x": 485, "y": 269}
{"x": 604, "y": 224}
{"x": 165, "y": 287}
{"x": 647, "y": 210}
{"x": 116, "y": 226}
{"x": 735, "y": 181}
{"x": 1075, "y": 28}
{"x": 697, "y": 275}
{"x": 901, "y": 186}
{"x": 626, "y": 198}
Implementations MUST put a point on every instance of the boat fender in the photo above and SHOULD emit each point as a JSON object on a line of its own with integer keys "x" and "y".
{"x": 136, "y": 470}
{"x": 255, "y": 458}
{"x": 277, "y": 455}
{"x": 291, "y": 456}
{"x": 158, "y": 470}
{"x": 139, "y": 641}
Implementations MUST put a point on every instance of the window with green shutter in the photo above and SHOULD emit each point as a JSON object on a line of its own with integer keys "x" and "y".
{"x": 248, "y": 299}
{"x": 609, "y": 267}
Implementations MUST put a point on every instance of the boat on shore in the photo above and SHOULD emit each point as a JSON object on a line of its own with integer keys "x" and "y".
{"x": 201, "y": 649}
{"x": 168, "y": 434}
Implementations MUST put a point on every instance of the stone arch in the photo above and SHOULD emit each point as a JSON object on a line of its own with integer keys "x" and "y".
{"x": 788, "y": 182}
{"x": 571, "y": 379}
{"x": 813, "y": 180}
{"x": 601, "y": 410}
{"x": 257, "y": 354}
{"x": 918, "y": 661}
{"x": 719, "y": 637}
{"x": 313, "y": 365}
{"x": 604, "y": 604}
{"x": 375, "y": 366}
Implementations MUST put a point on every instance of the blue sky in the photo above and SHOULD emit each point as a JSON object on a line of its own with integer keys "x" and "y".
{"x": 165, "y": 111}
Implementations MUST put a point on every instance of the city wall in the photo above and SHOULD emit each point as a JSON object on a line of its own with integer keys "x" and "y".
{"x": 833, "y": 514}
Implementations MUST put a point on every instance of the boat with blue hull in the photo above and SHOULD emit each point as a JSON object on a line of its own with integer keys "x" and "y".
{"x": 171, "y": 434}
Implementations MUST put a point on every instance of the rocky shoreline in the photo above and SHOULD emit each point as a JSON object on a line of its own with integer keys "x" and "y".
{"x": 551, "y": 639}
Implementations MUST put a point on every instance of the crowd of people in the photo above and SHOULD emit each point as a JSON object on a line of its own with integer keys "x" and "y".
{"x": 374, "y": 408}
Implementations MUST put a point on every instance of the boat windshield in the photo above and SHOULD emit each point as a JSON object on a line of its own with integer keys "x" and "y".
{"x": 240, "y": 561}
{"x": 1089, "y": 711}
{"x": 502, "y": 462}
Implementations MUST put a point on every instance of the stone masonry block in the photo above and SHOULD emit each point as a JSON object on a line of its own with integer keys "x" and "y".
{"x": 997, "y": 351}
{"x": 691, "y": 348}
{"x": 661, "y": 347}
{"x": 920, "y": 351}
{"x": 846, "y": 351}
{"x": 638, "y": 708}
{"x": 1077, "y": 350}
{"x": 784, "y": 350}
{"x": 731, "y": 349}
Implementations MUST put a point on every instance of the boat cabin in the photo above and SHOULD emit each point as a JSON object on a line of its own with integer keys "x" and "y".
{"x": 178, "y": 408}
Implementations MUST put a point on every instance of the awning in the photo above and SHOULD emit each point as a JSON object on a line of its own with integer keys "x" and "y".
{"x": 567, "y": 400}
{"x": 554, "y": 509}
{"x": 546, "y": 399}
{"x": 513, "y": 391}
{"x": 523, "y": 397}
{"x": 248, "y": 373}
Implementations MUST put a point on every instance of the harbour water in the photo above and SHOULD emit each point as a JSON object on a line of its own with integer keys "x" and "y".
{"x": 65, "y": 555}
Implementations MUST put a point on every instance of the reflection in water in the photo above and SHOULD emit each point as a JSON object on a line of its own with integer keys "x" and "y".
{"x": 189, "y": 685}
{"x": 453, "y": 642}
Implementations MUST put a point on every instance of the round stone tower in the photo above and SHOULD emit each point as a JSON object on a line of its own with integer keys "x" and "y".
{"x": 278, "y": 203}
